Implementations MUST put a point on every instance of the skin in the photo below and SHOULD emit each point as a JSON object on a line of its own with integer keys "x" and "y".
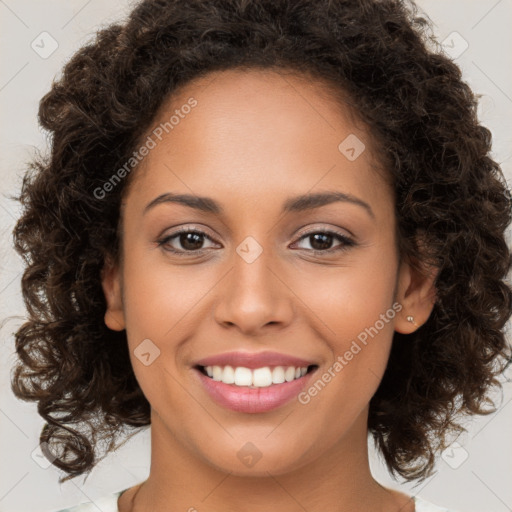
{"x": 255, "y": 139}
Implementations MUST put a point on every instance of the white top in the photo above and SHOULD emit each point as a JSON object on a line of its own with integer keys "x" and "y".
{"x": 109, "y": 504}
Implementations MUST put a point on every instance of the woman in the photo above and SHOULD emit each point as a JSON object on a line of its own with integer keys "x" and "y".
{"x": 268, "y": 229}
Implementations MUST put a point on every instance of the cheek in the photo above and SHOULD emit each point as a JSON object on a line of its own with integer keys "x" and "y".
{"x": 351, "y": 297}
{"x": 162, "y": 304}
{"x": 355, "y": 314}
{"x": 159, "y": 297}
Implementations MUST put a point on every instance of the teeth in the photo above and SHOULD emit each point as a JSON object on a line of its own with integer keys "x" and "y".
{"x": 217, "y": 373}
{"x": 278, "y": 375}
{"x": 262, "y": 377}
{"x": 243, "y": 376}
{"x": 289, "y": 374}
{"x": 259, "y": 377}
{"x": 228, "y": 375}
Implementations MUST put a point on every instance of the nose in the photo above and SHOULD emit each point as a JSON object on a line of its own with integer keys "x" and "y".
{"x": 254, "y": 297}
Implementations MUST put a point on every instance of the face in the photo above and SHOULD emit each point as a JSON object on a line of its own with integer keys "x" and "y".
{"x": 261, "y": 272}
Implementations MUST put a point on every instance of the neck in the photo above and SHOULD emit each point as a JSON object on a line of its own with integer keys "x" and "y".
{"x": 337, "y": 480}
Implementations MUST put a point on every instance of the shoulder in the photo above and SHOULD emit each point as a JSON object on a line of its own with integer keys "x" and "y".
{"x": 109, "y": 504}
{"x": 105, "y": 504}
{"x": 424, "y": 506}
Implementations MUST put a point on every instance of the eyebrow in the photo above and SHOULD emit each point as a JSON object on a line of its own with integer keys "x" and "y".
{"x": 293, "y": 204}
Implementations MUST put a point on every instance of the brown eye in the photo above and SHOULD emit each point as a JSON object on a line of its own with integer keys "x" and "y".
{"x": 191, "y": 241}
{"x": 187, "y": 240}
{"x": 321, "y": 241}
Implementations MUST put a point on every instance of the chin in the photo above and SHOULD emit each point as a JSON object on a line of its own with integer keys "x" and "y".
{"x": 256, "y": 460}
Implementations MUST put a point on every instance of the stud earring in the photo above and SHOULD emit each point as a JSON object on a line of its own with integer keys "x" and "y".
{"x": 411, "y": 319}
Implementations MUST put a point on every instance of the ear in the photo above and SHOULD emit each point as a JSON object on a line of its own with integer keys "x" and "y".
{"x": 416, "y": 293}
{"x": 111, "y": 284}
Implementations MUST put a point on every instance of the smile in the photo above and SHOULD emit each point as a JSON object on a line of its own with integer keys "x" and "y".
{"x": 256, "y": 390}
{"x": 254, "y": 378}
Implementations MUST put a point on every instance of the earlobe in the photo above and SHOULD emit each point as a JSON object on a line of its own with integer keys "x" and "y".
{"x": 111, "y": 284}
{"x": 417, "y": 293}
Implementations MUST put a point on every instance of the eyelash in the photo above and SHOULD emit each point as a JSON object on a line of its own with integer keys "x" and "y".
{"x": 346, "y": 242}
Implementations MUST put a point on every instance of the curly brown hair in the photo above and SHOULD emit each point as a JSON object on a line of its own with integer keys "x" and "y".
{"x": 380, "y": 55}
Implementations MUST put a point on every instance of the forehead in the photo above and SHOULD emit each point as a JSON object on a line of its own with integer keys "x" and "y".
{"x": 258, "y": 134}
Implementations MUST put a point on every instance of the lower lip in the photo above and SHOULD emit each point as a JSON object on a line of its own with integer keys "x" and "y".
{"x": 250, "y": 400}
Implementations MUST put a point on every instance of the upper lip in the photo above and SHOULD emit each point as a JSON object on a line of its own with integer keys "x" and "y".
{"x": 254, "y": 360}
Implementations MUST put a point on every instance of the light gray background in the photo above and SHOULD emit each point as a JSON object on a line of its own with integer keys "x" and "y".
{"x": 480, "y": 483}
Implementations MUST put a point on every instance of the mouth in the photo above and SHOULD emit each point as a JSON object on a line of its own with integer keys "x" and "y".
{"x": 253, "y": 390}
{"x": 255, "y": 378}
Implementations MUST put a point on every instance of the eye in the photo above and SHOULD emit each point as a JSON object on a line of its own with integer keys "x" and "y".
{"x": 190, "y": 240}
{"x": 321, "y": 241}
